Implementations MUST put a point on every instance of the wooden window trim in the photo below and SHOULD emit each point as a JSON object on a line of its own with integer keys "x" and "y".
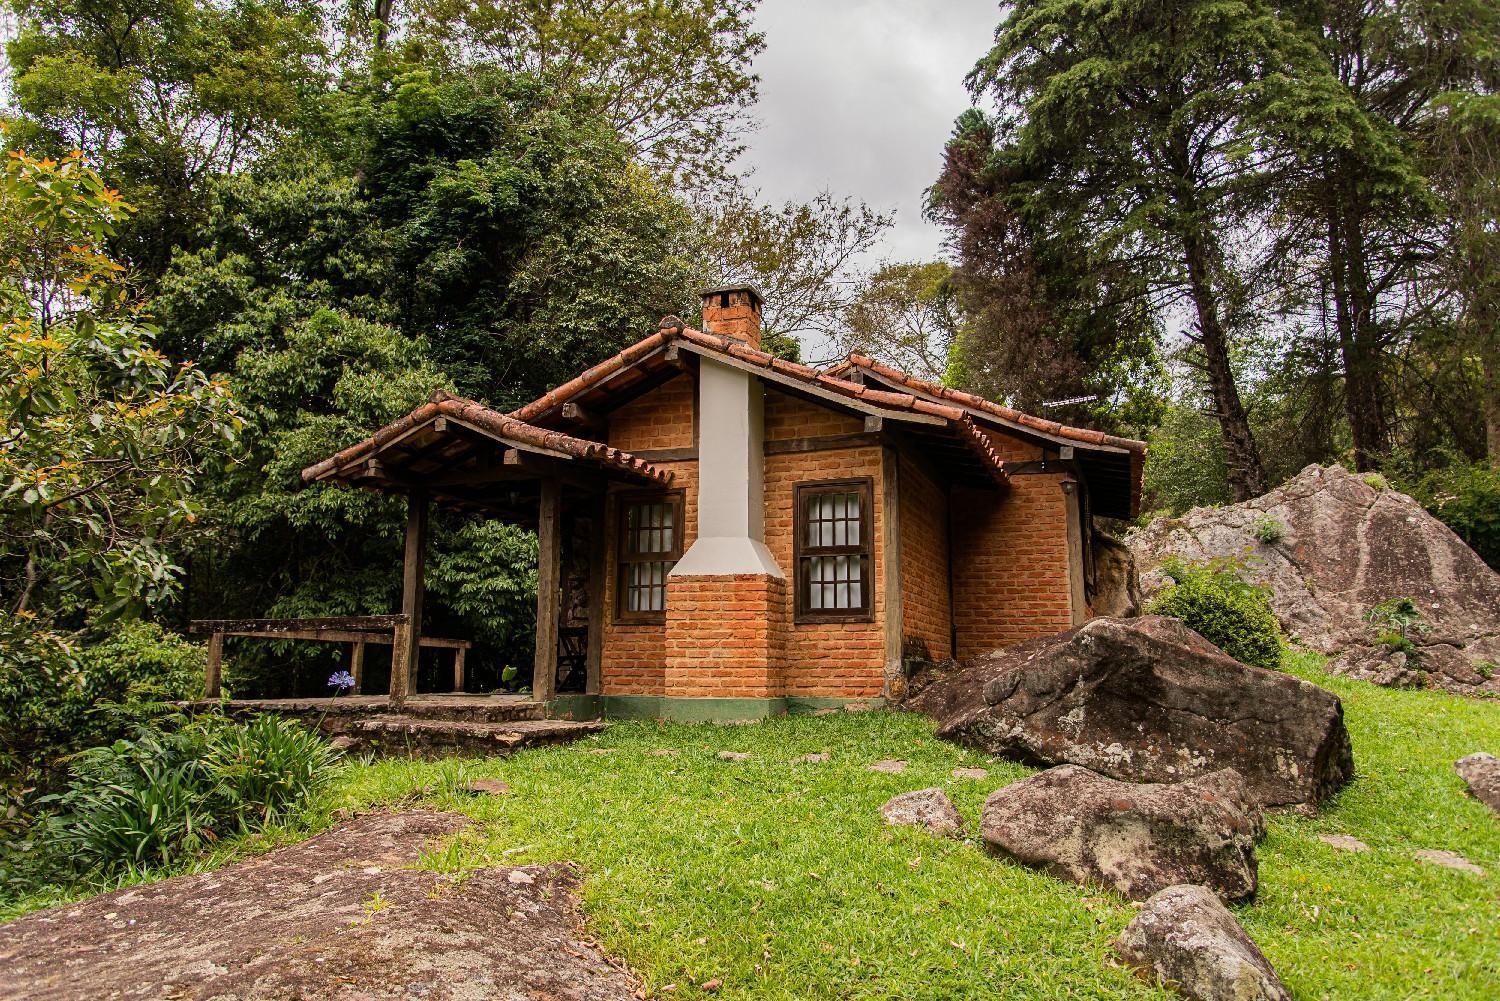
{"x": 622, "y": 501}
{"x": 804, "y": 615}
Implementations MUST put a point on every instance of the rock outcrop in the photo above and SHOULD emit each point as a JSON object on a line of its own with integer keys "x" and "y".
{"x": 1344, "y": 546}
{"x": 1187, "y": 938}
{"x": 927, "y": 808}
{"x": 1135, "y": 839}
{"x": 1147, "y": 700}
{"x": 341, "y": 916}
{"x": 1481, "y": 773}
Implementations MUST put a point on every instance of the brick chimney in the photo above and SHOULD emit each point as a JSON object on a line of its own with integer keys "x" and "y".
{"x": 733, "y": 311}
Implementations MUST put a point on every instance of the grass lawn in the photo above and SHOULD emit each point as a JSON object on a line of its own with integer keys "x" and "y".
{"x": 781, "y": 880}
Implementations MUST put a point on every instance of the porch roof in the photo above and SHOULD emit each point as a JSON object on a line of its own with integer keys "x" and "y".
{"x": 457, "y": 451}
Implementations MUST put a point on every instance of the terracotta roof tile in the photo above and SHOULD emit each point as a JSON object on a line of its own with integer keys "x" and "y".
{"x": 495, "y": 423}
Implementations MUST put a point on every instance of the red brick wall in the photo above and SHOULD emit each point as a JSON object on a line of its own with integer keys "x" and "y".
{"x": 725, "y": 636}
{"x": 844, "y": 660}
{"x": 1010, "y": 564}
{"x": 925, "y": 614}
{"x": 662, "y": 418}
{"x": 790, "y": 417}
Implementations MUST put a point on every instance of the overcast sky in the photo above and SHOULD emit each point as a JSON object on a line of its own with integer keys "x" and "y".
{"x": 858, "y": 96}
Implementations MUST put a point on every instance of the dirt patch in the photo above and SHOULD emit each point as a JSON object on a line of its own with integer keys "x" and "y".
{"x": 334, "y": 918}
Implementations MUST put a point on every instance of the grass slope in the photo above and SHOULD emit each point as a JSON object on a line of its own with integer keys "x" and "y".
{"x": 780, "y": 880}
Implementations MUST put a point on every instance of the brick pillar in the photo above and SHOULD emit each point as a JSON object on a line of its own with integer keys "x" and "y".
{"x": 726, "y": 636}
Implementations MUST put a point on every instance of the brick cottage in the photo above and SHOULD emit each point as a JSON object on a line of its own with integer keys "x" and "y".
{"x": 724, "y": 534}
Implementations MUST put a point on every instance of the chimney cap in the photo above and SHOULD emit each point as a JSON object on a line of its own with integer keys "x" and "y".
{"x": 757, "y": 299}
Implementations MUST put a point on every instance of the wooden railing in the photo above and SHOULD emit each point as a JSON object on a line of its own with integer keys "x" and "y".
{"x": 358, "y": 630}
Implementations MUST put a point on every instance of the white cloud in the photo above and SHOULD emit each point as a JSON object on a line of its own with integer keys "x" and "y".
{"x": 858, "y": 96}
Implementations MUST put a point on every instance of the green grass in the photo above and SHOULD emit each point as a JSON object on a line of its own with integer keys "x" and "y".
{"x": 781, "y": 880}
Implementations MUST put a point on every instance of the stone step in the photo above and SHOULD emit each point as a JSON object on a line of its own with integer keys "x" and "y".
{"x": 403, "y": 734}
{"x": 473, "y": 710}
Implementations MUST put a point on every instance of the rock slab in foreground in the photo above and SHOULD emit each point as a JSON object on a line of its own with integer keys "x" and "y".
{"x": 1188, "y": 939}
{"x": 1347, "y": 547}
{"x": 1481, "y": 773}
{"x": 929, "y": 808}
{"x": 1147, "y": 700}
{"x": 1135, "y": 839}
{"x": 298, "y": 923}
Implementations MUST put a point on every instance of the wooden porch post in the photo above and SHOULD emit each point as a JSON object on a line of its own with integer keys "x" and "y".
{"x": 406, "y": 651}
{"x": 548, "y": 573}
{"x": 598, "y": 554}
{"x": 357, "y": 665}
{"x": 213, "y": 669}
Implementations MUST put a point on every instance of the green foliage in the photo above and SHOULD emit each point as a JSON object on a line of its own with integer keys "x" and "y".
{"x": 906, "y": 315}
{"x": 61, "y": 692}
{"x": 1268, "y": 529}
{"x": 1466, "y": 497}
{"x": 1217, "y": 602}
{"x": 105, "y": 436}
{"x": 154, "y": 799}
{"x": 1186, "y": 465}
{"x": 1375, "y": 481}
{"x": 1400, "y": 619}
{"x": 162, "y": 96}
{"x": 674, "y": 79}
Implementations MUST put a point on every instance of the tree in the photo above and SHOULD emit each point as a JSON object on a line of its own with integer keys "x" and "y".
{"x": 803, "y": 256}
{"x": 1145, "y": 130}
{"x": 469, "y": 230}
{"x": 907, "y": 315}
{"x": 104, "y": 438}
{"x": 1466, "y": 149}
{"x": 673, "y": 79}
{"x": 162, "y": 96}
{"x": 1357, "y": 209}
{"x": 1045, "y": 316}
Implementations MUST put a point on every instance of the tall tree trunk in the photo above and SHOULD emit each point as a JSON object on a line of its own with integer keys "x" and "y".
{"x": 1247, "y": 477}
{"x": 1489, "y": 359}
{"x": 1354, "y": 318}
{"x": 382, "y": 22}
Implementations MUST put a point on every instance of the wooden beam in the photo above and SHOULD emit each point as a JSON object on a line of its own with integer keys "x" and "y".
{"x": 822, "y": 443}
{"x": 890, "y": 502}
{"x": 344, "y": 636}
{"x": 458, "y": 670}
{"x": 598, "y": 560}
{"x": 214, "y": 666}
{"x": 873, "y": 423}
{"x": 688, "y": 453}
{"x": 352, "y": 622}
{"x": 1077, "y": 595}
{"x": 406, "y": 654}
{"x": 548, "y": 584}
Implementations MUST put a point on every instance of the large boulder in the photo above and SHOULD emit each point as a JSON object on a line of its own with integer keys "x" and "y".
{"x": 1186, "y": 937}
{"x": 1135, "y": 839}
{"x": 1147, "y": 700}
{"x": 1346, "y": 545}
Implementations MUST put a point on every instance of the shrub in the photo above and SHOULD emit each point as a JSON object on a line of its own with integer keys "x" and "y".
{"x": 1375, "y": 481}
{"x": 1267, "y": 529}
{"x": 1215, "y": 600}
{"x": 175, "y": 786}
{"x": 60, "y": 693}
{"x": 1399, "y": 618}
{"x": 1466, "y": 497}
{"x": 267, "y": 767}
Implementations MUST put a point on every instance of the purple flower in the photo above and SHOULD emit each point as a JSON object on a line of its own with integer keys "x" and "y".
{"x": 342, "y": 680}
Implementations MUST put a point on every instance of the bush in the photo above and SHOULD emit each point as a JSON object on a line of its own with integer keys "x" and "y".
{"x": 1228, "y": 611}
{"x": 60, "y": 692}
{"x": 1466, "y": 497}
{"x": 1267, "y": 529}
{"x": 156, "y": 798}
